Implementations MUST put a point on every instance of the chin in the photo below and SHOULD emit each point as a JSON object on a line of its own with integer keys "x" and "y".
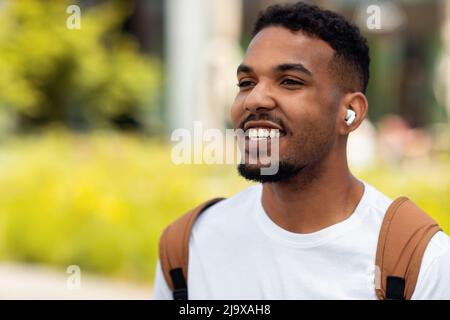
{"x": 254, "y": 172}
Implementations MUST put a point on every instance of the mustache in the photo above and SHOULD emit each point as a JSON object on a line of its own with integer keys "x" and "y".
{"x": 264, "y": 117}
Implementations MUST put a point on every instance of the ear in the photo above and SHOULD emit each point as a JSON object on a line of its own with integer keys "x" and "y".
{"x": 357, "y": 102}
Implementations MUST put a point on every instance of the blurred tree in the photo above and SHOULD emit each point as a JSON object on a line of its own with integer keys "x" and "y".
{"x": 85, "y": 78}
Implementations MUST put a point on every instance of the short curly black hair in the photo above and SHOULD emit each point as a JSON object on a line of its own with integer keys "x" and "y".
{"x": 351, "y": 60}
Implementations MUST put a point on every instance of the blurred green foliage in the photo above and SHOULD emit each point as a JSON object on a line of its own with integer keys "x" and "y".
{"x": 81, "y": 78}
{"x": 98, "y": 201}
{"x": 101, "y": 201}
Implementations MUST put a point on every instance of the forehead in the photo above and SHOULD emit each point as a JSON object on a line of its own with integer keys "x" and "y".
{"x": 277, "y": 45}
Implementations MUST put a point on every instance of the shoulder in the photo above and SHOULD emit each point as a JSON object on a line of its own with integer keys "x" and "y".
{"x": 439, "y": 245}
{"x": 230, "y": 213}
{"x": 434, "y": 279}
{"x": 375, "y": 202}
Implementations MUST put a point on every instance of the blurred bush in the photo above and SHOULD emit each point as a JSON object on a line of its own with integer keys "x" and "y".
{"x": 101, "y": 201}
{"x": 81, "y": 78}
{"x": 98, "y": 201}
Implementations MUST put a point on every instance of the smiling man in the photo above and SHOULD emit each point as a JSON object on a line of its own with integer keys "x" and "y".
{"x": 311, "y": 230}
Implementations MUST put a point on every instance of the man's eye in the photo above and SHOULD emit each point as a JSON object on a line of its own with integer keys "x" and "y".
{"x": 292, "y": 82}
{"x": 244, "y": 84}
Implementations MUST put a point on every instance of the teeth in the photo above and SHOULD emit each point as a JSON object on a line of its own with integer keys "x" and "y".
{"x": 274, "y": 134}
{"x": 263, "y": 133}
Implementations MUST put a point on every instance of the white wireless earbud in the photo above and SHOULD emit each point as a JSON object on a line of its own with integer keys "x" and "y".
{"x": 351, "y": 116}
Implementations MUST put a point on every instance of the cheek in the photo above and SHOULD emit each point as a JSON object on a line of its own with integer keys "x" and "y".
{"x": 310, "y": 125}
{"x": 237, "y": 110}
{"x": 303, "y": 117}
{"x": 317, "y": 133}
{"x": 311, "y": 109}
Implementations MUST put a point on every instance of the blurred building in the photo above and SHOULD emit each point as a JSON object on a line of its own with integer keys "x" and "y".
{"x": 405, "y": 56}
{"x": 201, "y": 42}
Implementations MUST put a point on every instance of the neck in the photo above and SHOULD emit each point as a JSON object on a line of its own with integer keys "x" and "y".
{"x": 319, "y": 196}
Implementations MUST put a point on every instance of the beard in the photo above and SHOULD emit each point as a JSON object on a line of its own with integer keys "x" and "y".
{"x": 301, "y": 157}
{"x": 302, "y": 167}
{"x": 285, "y": 172}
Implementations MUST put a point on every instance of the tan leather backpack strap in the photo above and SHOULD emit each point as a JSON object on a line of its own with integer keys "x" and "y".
{"x": 174, "y": 249}
{"x": 404, "y": 236}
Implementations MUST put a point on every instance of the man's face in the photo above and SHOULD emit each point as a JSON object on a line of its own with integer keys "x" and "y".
{"x": 285, "y": 80}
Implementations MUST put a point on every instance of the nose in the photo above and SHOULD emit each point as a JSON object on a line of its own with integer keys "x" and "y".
{"x": 259, "y": 99}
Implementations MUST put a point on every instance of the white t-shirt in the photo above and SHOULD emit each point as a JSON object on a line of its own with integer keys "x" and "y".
{"x": 237, "y": 252}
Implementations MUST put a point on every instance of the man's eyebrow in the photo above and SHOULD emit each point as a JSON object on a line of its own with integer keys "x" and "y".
{"x": 244, "y": 69}
{"x": 282, "y": 67}
{"x": 294, "y": 67}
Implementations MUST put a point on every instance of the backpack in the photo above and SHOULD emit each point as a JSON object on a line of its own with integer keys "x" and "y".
{"x": 404, "y": 235}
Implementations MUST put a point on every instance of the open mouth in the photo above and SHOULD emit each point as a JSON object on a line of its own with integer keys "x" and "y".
{"x": 261, "y": 133}
{"x": 261, "y": 142}
{"x": 260, "y": 130}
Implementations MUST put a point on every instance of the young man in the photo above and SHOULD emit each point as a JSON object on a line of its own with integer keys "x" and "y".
{"x": 311, "y": 230}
